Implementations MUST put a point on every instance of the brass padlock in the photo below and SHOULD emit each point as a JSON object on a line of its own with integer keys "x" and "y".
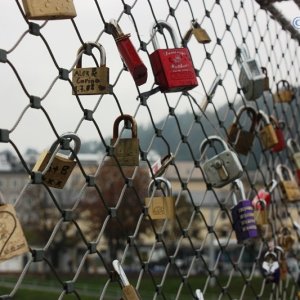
{"x": 284, "y": 92}
{"x": 295, "y": 151}
{"x": 49, "y": 9}
{"x": 91, "y": 81}
{"x": 241, "y": 139}
{"x": 199, "y": 33}
{"x": 163, "y": 207}
{"x": 260, "y": 212}
{"x": 267, "y": 133}
{"x": 12, "y": 239}
{"x": 126, "y": 150}
{"x": 285, "y": 239}
{"x": 288, "y": 186}
{"x": 57, "y": 167}
{"x": 266, "y": 80}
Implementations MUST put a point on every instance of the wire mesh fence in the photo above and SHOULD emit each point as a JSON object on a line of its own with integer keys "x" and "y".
{"x": 143, "y": 180}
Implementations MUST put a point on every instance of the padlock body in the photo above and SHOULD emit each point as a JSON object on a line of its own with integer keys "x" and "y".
{"x": 130, "y": 293}
{"x": 132, "y": 60}
{"x": 266, "y": 84}
{"x": 59, "y": 171}
{"x": 281, "y": 141}
{"x": 298, "y": 176}
{"x": 242, "y": 139}
{"x": 126, "y": 152}
{"x": 201, "y": 35}
{"x": 161, "y": 207}
{"x": 91, "y": 81}
{"x": 243, "y": 221}
{"x": 290, "y": 190}
{"x": 261, "y": 216}
{"x": 268, "y": 136}
{"x": 12, "y": 241}
{"x": 284, "y": 96}
{"x": 230, "y": 162}
{"x": 296, "y": 158}
{"x": 173, "y": 69}
{"x": 48, "y": 10}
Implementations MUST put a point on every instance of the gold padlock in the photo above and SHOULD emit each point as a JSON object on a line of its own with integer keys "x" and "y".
{"x": 284, "y": 93}
{"x": 91, "y": 81}
{"x": 266, "y": 80}
{"x": 285, "y": 239}
{"x": 60, "y": 166}
{"x": 12, "y": 239}
{"x": 199, "y": 33}
{"x": 261, "y": 213}
{"x": 288, "y": 186}
{"x": 160, "y": 208}
{"x": 49, "y": 9}
{"x": 126, "y": 150}
{"x": 267, "y": 133}
{"x": 295, "y": 151}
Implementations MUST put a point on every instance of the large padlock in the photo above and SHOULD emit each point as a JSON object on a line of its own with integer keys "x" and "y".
{"x": 173, "y": 69}
{"x": 266, "y": 80}
{"x": 264, "y": 194}
{"x": 242, "y": 214}
{"x": 270, "y": 267}
{"x": 294, "y": 148}
{"x": 49, "y": 9}
{"x": 284, "y": 92}
{"x": 288, "y": 184}
{"x": 261, "y": 212}
{"x": 91, "y": 81}
{"x": 279, "y": 127}
{"x": 241, "y": 139}
{"x": 199, "y": 33}
{"x": 251, "y": 77}
{"x": 57, "y": 168}
{"x": 12, "y": 239}
{"x": 222, "y": 168}
{"x": 126, "y": 150}
{"x": 129, "y": 54}
{"x": 267, "y": 133}
{"x": 285, "y": 239}
{"x": 162, "y": 207}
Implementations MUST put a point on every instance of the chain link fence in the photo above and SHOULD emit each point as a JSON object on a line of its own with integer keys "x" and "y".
{"x": 74, "y": 233}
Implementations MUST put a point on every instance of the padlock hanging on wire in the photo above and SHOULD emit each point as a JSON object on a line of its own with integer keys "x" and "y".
{"x": 198, "y": 32}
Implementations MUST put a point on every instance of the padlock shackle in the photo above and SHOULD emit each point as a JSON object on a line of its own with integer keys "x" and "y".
{"x": 265, "y": 71}
{"x": 271, "y": 185}
{"x": 252, "y": 112}
{"x": 199, "y": 295}
{"x": 81, "y": 51}
{"x": 261, "y": 202}
{"x": 276, "y": 123}
{"x": 68, "y": 135}
{"x": 166, "y": 25}
{"x": 167, "y": 186}
{"x": 124, "y": 118}
{"x": 280, "y": 168}
{"x": 263, "y": 116}
{"x": 209, "y": 140}
{"x": 272, "y": 254}
{"x": 237, "y": 184}
{"x": 293, "y": 145}
{"x": 242, "y": 54}
{"x": 119, "y": 270}
{"x": 116, "y": 31}
{"x": 285, "y": 84}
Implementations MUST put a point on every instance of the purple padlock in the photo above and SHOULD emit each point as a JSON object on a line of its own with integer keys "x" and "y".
{"x": 242, "y": 214}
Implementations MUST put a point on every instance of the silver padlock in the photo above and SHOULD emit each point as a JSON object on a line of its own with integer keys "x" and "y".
{"x": 251, "y": 77}
{"x": 222, "y": 168}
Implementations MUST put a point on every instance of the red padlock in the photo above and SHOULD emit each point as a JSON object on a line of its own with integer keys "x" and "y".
{"x": 278, "y": 126}
{"x": 173, "y": 69}
{"x": 129, "y": 54}
{"x": 264, "y": 194}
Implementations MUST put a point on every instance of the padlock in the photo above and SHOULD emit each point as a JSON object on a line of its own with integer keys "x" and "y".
{"x": 298, "y": 295}
{"x": 161, "y": 165}
{"x": 199, "y": 33}
{"x": 284, "y": 93}
{"x": 282, "y": 262}
{"x": 126, "y": 150}
{"x": 91, "y": 81}
{"x": 49, "y": 9}
{"x": 267, "y": 133}
{"x": 199, "y": 295}
{"x": 12, "y": 239}
{"x": 60, "y": 166}
{"x": 261, "y": 213}
{"x": 163, "y": 207}
{"x": 251, "y": 78}
{"x": 266, "y": 79}
{"x": 222, "y": 168}
{"x": 241, "y": 139}
{"x": 128, "y": 290}
{"x": 294, "y": 148}
{"x": 265, "y": 194}
{"x": 173, "y": 69}
{"x": 270, "y": 267}
{"x": 288, "y": 186}
{"x": 129, "y": 54}
{"x": 278, "y": 126}
{"x": 285, "y": 239}
{"x": 242, "y": 215}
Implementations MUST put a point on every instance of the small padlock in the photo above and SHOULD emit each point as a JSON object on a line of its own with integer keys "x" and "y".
{"x": 91, "y": 81}
{"x": 282, "y": 262}
{"x": 267, "y": 133}
{"x": 222, "y": 168}
{"x": 241, "y": 139}
{"x": 251, "y": 77}
{"x": 288, "y": 186}
{"x": 12, "y": 239}
{"x": 284, "y": 93}
{"x": 61, "y": 166}
{"x": 199, "y": 295}
{"x": 199, "y": 33}
{"x": 285, "y": 239}
{"x": 160, "y": 208}
{"x": 161, "y": 165}
{"x": 242, "y": 215}
{"x": 49, "y": 9}
{"x": 265, "y": 194}
{"x": 260, "y": 212}
{"x": 126, "y": 150}
{"x": 270, "y": 267}
{"x": 294, "y": 148}
{"x": 173, "y": 69}
{"x": 266, "y": 79}
{"x": 278, "y": 126}
{"x": 129, "y": 54}
{"x": 128, "y": 290}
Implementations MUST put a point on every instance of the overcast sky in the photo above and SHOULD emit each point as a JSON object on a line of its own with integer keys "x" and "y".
{"x": 37, "y": 71}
